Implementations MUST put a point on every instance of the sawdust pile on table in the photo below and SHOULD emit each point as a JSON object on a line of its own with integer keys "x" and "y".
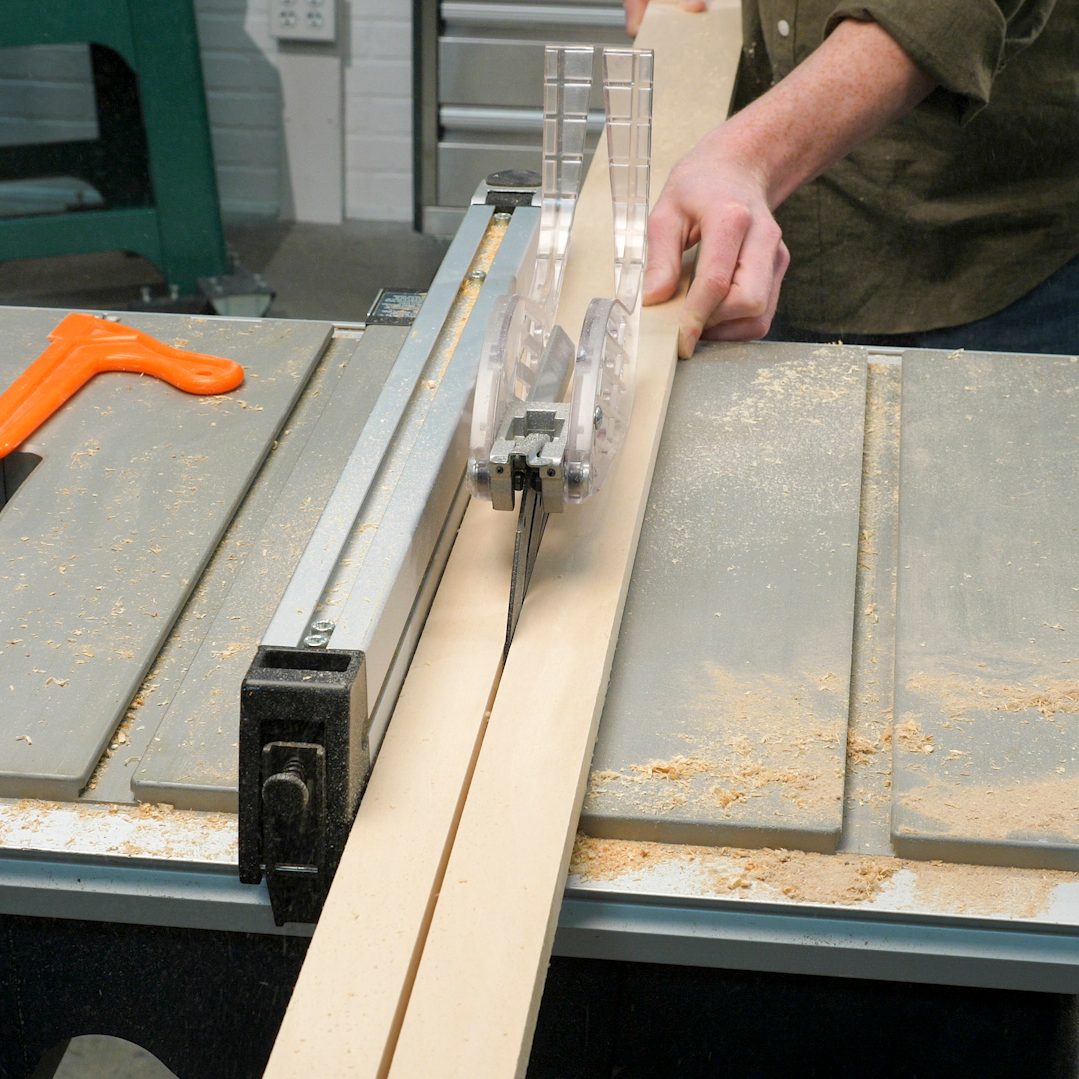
{"x": 841, "y": 879}
{"x": 1003, "y": 808}
{"x": 756, "y": 738}
{"x": 961, "y": 694}
{"x": 910, "y": 736}
{"x": 790, "y": 874}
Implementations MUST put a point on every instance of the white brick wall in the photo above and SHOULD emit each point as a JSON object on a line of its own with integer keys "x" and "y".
{"x": 243, "y": 96}
{"x": 45, "y": 95}
{"x": 378, "y": 111}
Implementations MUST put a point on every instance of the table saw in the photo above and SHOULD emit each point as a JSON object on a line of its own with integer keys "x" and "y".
{"x": 842, "y": 729}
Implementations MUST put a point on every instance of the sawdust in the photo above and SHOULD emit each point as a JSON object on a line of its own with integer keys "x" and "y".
{"x": 966, "y": 796}
{"x": 909, "y": 736}
{"x": 95, "y": 828}
{"x": 860, "y": 749}
{"x": 960, "y": 695}
{"x": 831, "y": 879}
{"x": 755, "y": 738}
{"x": 797, "y": 876}
{"x": 1000, "y": 810}
{"x": 986, "y": 890}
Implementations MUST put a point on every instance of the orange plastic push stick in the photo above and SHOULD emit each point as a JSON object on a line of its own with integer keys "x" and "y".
{"x": 84, "y": 346}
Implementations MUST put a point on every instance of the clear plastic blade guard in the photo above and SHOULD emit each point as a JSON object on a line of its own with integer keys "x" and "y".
{"x": 522, "y": 323}
{"x": 603, "y": 377}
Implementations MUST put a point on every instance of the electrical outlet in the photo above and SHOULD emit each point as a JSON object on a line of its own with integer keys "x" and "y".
{"x": 303, "y": 20}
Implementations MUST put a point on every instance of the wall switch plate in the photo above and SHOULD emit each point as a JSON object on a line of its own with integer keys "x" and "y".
{"x": 303, "y": 20}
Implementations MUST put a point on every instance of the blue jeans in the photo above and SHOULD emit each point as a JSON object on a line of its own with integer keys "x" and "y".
{"x": 1046, "y": 319}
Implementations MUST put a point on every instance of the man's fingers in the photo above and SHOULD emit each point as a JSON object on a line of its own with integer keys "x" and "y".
{"x": 634, "y": 10}
{"x": 751, "y": 328}
{"x": 666, "y": 242}
{"x": 754, "y": 276}
{"x": 721, "y": 242}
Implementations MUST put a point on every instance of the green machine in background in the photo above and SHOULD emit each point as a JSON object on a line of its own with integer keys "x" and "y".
{"x": 152, "y": 163}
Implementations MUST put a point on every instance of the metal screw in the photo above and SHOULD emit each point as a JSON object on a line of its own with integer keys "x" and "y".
{"x": 323, "y": 625}
{"x": 316, "y": 640}
{"x": 477, "y": 275}
{"x": 502, "y": 215}
{"x": 597, "y": 417}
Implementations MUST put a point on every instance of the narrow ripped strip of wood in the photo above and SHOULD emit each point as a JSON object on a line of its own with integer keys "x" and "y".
{"x": 349, "y": 1001}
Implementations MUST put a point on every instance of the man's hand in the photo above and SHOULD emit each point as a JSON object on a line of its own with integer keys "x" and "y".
{"x": 722, "y": 193}
{"x": 713, "y": 199}
{"x": 635, "y": 12}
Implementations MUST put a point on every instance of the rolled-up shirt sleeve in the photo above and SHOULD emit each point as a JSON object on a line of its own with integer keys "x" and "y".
{"x": 962, "y": 44}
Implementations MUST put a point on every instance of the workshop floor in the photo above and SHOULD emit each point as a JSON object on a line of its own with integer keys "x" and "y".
{"x": 602, "y": 1020}
{"x": 317, "y": 271}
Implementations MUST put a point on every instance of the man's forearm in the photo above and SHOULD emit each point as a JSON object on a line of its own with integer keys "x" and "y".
{"x": 722, "y": 194}
{"x": 854, "y": 85}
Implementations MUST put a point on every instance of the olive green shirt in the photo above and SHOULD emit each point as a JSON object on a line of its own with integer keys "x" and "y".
{"x": 961, "y": 207}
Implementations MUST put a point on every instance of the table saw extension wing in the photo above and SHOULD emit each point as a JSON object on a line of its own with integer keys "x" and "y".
{"x": 844, "y": 698}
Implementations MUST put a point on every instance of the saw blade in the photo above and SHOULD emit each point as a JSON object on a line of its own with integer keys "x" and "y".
{"x": 531, "y": 521}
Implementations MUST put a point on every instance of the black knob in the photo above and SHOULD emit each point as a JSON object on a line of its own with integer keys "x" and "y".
{"x": 285, "y": 794}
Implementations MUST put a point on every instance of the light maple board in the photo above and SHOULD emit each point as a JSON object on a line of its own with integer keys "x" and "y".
{"x": 430, "y": 952}
{"x": 473, "y": 1006}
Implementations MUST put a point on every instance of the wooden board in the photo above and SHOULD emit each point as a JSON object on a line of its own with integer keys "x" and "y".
{"x": 353, "y": 993}
{"x": 473, "y": 1006}
{"x": 348, "y": 1002}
